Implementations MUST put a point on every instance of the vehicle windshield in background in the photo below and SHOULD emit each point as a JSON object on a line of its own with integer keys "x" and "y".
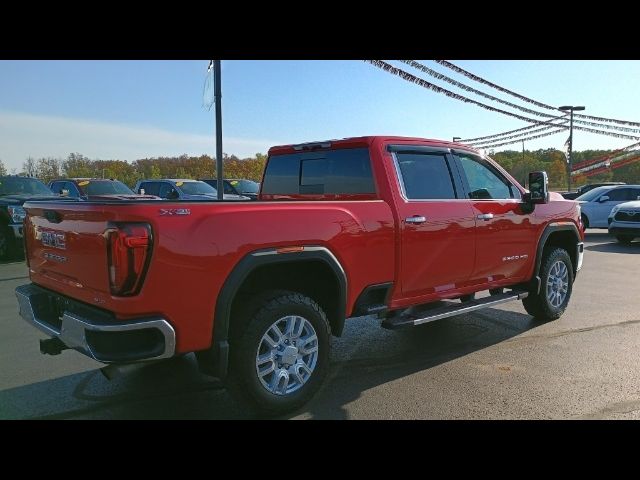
{"x": 104, "y": 188}
{"x": 23, "y": 186}
{"x": 592, "y": 194}
{"x": 196, "y": 188}
{"x": 245, "y": 186}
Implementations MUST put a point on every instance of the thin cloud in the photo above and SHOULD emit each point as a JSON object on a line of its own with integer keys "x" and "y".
{"x": 23, "y": 135}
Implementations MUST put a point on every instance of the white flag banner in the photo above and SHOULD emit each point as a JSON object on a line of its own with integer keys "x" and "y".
{"x": 566, "y": 149}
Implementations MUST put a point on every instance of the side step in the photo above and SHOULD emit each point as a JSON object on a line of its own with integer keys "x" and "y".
{"x": 411, "y": 319}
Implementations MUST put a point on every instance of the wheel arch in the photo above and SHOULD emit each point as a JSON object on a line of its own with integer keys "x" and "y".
{"x": 561, "y": 234}
{"x": 327, "y": 273}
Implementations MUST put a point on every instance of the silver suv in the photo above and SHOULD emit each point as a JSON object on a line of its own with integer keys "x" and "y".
{"x": 624, "y": 221}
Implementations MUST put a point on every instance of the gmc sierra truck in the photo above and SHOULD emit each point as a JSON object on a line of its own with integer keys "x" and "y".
{"x": 407, "y": 229}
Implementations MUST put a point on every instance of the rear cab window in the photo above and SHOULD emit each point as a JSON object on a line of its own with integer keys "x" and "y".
{"x": 320, "y": 173}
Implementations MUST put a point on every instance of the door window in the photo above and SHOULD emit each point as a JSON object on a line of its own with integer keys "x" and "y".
{"x": 484, "y": 182}
{"x": 425, "y": 176}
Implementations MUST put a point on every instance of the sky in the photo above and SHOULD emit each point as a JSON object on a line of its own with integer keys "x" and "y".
{"x": 136, "y": 109}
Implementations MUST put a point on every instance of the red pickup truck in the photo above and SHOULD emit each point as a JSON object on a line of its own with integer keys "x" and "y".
{"x": 405, "y": 228}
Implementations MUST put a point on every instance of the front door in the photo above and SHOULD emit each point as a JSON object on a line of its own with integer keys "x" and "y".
{"x": 601, "y": 210}
{"x": 505, "y": 236}
{"x": 436, "y": 226}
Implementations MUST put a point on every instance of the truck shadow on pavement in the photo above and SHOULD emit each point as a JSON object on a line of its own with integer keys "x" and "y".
{"x": 366, "y": 356}
{"x": 615, "y": 247}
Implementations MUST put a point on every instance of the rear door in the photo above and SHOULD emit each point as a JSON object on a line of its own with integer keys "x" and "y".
{"x": 436, "y": 224}
{"x": 505, "y": 236}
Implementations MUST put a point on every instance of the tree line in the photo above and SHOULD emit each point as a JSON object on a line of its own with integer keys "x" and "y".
{"x": 204, "y": 166}
{"x": 77, "y": 165}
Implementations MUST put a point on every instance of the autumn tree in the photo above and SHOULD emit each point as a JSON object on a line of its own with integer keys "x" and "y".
{"x": 3, "y": 170}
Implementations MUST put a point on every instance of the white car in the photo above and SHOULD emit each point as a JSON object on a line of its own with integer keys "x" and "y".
{"x": 624, "y": 221}
{"x": 597, "y": 204}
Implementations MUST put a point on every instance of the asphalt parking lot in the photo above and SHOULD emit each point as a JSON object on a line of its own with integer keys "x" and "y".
{"x": 492, "y": 364}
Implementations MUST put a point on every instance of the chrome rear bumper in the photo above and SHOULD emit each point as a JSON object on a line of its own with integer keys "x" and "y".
{"x": 94, "y": 332}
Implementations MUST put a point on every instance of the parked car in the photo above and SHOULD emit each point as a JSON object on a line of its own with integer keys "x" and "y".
{"x": 90, "y": 188}
{"x": 585, "y": 188}
{"x": 596, "y": 204}
{"x": 14, "y": 191}
{"x": 378, "y": 225}
{"x": 182, "y": 189}
{"x": 624, "y": 221}
{"x": 237, "y": 186}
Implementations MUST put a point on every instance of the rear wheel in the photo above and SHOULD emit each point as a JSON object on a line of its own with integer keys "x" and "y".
{"x": 556, "y": 273}
{"x": 281, "y": 357}
{"x": 7, "y": 241}
{"x": 626, "y": 239}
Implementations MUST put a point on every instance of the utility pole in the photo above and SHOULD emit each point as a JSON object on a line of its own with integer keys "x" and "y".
{"x": 217, "y": 73}
{"x": 525, "y": 182}
{"x": 569, "y": 108}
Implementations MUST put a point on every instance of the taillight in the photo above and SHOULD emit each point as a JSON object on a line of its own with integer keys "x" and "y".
{"x": 128, "y": 254}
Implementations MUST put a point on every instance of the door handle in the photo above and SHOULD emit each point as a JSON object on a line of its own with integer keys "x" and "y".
{"x": 415, "y": 219}
{"x": 485, "y": 216}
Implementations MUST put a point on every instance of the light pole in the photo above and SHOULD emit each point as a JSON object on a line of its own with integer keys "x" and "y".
{"x": 569, "y": 108}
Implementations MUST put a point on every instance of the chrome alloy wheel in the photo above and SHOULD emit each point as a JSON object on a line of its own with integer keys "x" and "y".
{"x": 557, "y": 283}
{"x": 287, "y": 355}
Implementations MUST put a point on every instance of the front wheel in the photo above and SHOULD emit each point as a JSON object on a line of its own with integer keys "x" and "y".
{"x": 626, "y": 239}
{"x": 556, "y": 273}
{"x": 281, "y": 357}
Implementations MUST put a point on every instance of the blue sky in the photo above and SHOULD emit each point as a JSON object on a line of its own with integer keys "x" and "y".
{"x": 133, "y": 109}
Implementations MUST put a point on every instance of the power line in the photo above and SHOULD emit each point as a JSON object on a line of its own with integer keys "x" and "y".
{"x": 470, "y": 75}
{"x": 521, "y": 134}
{"x": 521, "y": 139}
{"x": 525, "y": 130}
{"x": 440, "y": 76}
{"x": 430, "y": 86}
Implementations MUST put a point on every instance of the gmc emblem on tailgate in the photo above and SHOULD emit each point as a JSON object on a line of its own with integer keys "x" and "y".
{"x": 53, "y": 239}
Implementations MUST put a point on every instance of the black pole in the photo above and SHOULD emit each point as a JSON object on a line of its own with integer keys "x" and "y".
{"x": 570, "y": 151}
{"x": 218, "y": 99}
{"x": 525, "y": 182}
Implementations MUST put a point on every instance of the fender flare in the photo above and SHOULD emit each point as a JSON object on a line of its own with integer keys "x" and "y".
{"x": 217, "y": 355}
{"x": 549, "y": 229}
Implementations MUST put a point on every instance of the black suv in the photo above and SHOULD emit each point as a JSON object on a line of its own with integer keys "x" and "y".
{"x": 236, "y": 186}
{"x": 14, "y": 191}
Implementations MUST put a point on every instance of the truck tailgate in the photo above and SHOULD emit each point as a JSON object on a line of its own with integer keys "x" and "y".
{"x": 67, "y": 247}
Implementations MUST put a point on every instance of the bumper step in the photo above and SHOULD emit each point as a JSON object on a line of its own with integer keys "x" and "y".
{"x": 412, "y": 318}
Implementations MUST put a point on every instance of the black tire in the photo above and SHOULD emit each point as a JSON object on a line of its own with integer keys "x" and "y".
{"x": 539, "y": 305}
{"x": 626, "y": 239}
{"x": 585, "y": 221}
{"x": 243, "y": 381}
{"x": 7, "y": 243}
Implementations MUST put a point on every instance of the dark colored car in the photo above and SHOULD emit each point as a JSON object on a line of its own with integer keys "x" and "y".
{"x": 14, "y": 191}
{"x": 585, "y": 188}
{"x": 85, "y": 188}
{"x": 182, "y": 189}
{"x": 236, "y": 186}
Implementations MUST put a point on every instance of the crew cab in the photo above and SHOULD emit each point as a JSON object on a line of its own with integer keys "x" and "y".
{"x": 14, "y": 191}
{"x": 379, "y": 225}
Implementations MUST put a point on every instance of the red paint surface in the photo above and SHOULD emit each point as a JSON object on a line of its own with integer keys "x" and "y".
{"x": 451, "y": 254}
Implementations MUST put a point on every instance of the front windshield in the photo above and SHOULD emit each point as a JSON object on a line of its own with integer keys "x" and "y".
{"x": 23, "y": 186}
{"x": 105, "y": 188}
{"x": 196, "y": 188}
{"x": 247, "y": 186}
{"x": 592, "y": 194}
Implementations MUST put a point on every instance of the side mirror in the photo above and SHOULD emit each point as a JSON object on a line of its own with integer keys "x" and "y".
{"x": 538, "y": 191}
{"x": 539, "y": 187}
{"x": 603, "y": 198}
